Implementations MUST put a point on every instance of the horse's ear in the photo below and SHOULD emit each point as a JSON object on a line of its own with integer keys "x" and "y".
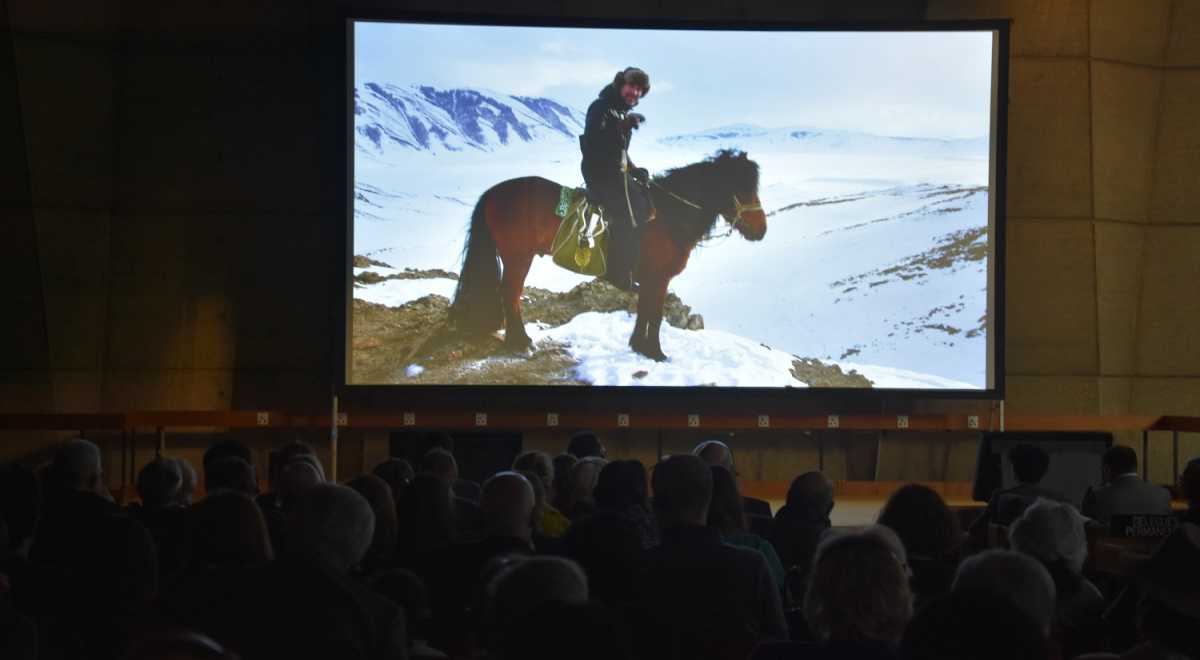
{"x": 743, "y": 156}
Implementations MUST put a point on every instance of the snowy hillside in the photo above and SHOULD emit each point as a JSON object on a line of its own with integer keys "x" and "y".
{"x": 875, "y": 254}
{"x": 422, "y": 118}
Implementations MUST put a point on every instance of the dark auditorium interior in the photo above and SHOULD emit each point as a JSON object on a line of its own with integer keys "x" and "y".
{"x": 186, "y": 474}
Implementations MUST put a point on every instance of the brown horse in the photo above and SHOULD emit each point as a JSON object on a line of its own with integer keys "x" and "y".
{"x": 514, "y": 221}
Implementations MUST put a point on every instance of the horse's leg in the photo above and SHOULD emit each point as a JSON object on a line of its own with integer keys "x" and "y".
{"x": 651, "y": 297}
{"x": 512, "y": 284}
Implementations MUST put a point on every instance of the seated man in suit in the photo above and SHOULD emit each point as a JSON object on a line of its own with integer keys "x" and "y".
{"x": 1189, "y": 484}
{"x": 1124, "y": 492}
{"x": 715, "y": 452}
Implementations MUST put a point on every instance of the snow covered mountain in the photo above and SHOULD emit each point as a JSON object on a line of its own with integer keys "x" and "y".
{"x": 424, "y": 118}
{"x": 750, "y": 137}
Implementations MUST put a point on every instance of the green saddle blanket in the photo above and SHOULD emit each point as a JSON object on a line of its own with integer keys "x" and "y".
{"x": 579, "y": 246}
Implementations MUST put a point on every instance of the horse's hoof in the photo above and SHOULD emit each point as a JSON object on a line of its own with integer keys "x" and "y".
{"x": 523, "y": 346}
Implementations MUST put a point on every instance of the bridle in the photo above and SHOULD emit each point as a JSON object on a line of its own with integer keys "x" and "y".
{"x": 739, "y": 209}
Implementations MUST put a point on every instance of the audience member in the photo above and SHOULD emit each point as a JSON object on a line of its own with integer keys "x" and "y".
{"x": 716, "y": 452}
{"x": 542, "y": 544}
{"x": 560, "y": 489}
{"x": 858, "y": 591}
{"x": 524, "y": 587}
{"x": 74, "y": 501}
{"x": 382, "y": 552}
{"x": 584, "y": 477}
{"x": 1029, "y": 466}
{"x": 799, "y": 525}
{"x": 1189, "y": 486}
{"x": 187, "y": 490}
{"x": 159, "y": 484}
{"x": 230, "y": 473}
{"x": 727, "y": 515}
{"x": 709, "y": 600}
{"x": 1169, "y": 611}
{"x": 405, "y": 588}
{"x": 279, "y": 459}
{"x": 468, "y": 519}
{"x": 425, "y": 518}
{"x": 1053, "y": 533}
{"x": 299, "y": 475}
{"x": 227, "y": 529}
{"x": 966, "y": 625}
{"x": 20, "y": 509}
{"x": 621, "y": 488}
{"x": 228, "y": 448}
{"x": 1124, "y": 493}
{"x": 585, "y": 444}
{"x": 1014, "y": 576}
{"x": 398, "y": 473}
{"x": 931, "y": 536}
{"x": 608, "y": 545}
{"x": 551, "y": 522}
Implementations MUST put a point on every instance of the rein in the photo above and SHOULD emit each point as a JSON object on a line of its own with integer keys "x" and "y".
{"x": 738, "y": 210}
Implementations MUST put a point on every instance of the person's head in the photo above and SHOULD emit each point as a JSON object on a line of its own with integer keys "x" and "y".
{"x": 1118, "y": 460}
{"x": 620, "y": 485}
{"x": 1189, "y": 483}
{"x": 406, "y": 589}
{"x": 299, "y": 475}
{"x": 230, "y": 473}
{"x": 225, "y": 449}
{"x": 560, "y": 488}
{"x": 1017, "y": 577}
{"x": 440, "y": 463}
{"x": 507, "y": 502}
{"x": 584, "y": 477}
{"x": 725, "y": 513}
{"x": 379, "y": 496}
{"x": 188, "y": 488}
{"x": 159, "y": 483}
{"x": 1029, "y": 463}
{"x": 585, "y": 443}
{"x": 227, "y": 529}
{"x": 683, "y": 487}
{"x": 527, "y": 584}
{"x": 811, "y": 494}
{"x": 1051, "y": 532}
{"x": 280, "y": 458}
{"x": 76, "y": 466}
{"x": 397, "y": 472}
{"x": 968, "y": 625}
{"x": 716, "y": 452}
{"x": 632, "y": 84}
{"x": 538, "y": 463}
{"x": 928, "y": 528}
{"x": 331, "y": 526}
{"x": 20, "y": 506}
{"x": 425, "y": 514}
{"x": 858, "y": 590}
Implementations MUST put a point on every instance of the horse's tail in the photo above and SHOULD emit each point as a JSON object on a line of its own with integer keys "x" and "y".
{"x": 477, "y": 308}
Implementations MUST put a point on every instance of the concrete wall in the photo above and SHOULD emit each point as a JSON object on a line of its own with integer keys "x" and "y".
{"x": 168, "y": 213}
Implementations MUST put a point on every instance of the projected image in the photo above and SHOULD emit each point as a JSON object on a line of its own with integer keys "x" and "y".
{"x": 762, "y": 209}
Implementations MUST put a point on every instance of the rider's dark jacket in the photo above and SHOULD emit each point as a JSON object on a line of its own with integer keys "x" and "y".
{"x": 604, "y": 142}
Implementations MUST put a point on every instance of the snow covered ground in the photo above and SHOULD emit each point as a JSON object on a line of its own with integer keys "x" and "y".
{"x": 875, "y": 257}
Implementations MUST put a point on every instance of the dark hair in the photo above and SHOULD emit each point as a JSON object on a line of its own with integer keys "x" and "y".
{"x": 438, "y": 461}
{"x": 1029, "y": 463}
{"x": 158, "y": 483}
{"x": 608, "y": 545}
{"x": 397, "y": 472}
{"x": 585, "y": 443}
{"x": 682, "y": 483}
{"x": 537, "y": 463}
{"x": 228, "y": 529}
{"x": 425, "y": 514}
{"x": 120, "y": 562}
{"x": 725, "y": 513}
{"x": 973, "y": 625}
{"x": 379, "y": 495}
{"x": 230, "y": 473}
{"x": 20, "y": 503}
{"x": 1120, "y": 459}
{"x": 621, "y": 484}
{"x": 225, "y": 449}
{"x": 560, "y": 495}
{"x": 920, "y": 517}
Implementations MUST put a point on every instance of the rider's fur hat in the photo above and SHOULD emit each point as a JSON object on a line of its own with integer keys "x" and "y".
{"x": 633, "y": 76}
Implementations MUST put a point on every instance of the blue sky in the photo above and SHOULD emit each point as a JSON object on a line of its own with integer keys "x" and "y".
{"x": 922, "y": 84}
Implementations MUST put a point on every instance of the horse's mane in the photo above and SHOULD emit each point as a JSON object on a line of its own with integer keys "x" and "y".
{"x": 711, "y": 183}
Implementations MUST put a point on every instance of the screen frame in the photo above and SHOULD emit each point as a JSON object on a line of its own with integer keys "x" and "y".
{"x": 605, "y": 397}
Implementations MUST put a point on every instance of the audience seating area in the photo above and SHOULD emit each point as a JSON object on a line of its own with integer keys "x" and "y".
{"x": 581, "y": 556}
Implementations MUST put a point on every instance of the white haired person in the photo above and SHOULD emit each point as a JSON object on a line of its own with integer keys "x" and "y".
{"x": 1053, "y": 533}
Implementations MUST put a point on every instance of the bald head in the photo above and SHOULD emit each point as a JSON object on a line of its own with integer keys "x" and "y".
{"x": 715, "y": 452}
{"x": 683, "y": 487}
{"x": 811, "y": 493}
{"x": 507, "y": 503}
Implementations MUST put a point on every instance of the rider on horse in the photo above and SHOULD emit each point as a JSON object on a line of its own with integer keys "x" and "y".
{"x": 612, "y": 179}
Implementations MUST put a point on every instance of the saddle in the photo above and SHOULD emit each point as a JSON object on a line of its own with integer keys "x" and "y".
{"x": 581, "y": 243}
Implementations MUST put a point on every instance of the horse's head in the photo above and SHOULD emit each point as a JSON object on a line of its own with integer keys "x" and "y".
{"x": 742, "y": 209}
